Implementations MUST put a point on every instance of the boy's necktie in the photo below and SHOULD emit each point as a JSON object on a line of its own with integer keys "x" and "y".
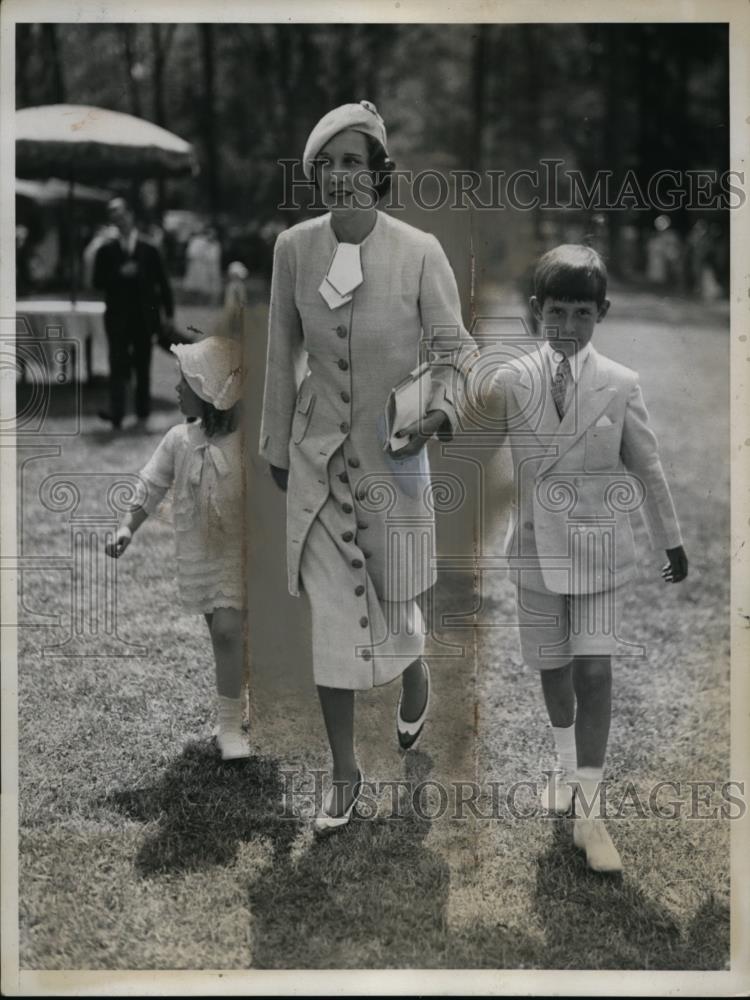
{"x": 560, "y": 386}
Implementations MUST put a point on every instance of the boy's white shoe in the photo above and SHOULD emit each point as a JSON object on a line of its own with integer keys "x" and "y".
{"x": 557, "y": 795}
{"x": 592, "y": 836}
{"x": 233, "y": 745}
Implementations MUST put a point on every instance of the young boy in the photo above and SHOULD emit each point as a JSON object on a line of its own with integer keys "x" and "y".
{"x": 584, "y": 457}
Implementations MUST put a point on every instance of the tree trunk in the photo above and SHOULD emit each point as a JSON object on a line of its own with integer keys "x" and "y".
{"x": 128, "y": 52}
{"x": 209, "y": 117}
{"x": 376, "y": 39}
{"x": 614, "y": 70}
{"x": 345, "y": 83}
{"x": 160, "y": 43}
{"x": 23, "y": 57}
{"x": 56, "y": 79}
{"x": 531, "y": 128}
{"x": 479, "y": 69}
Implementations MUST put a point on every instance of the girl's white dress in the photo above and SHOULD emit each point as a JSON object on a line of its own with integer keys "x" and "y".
{"x": 208, "y": 513}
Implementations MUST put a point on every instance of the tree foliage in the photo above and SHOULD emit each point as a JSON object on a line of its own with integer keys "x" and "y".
{"x": 644, "y": 97}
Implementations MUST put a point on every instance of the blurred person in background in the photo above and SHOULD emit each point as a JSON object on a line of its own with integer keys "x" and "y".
{"x": 130, "y": 272}
{"x": 701, "y": 258}
{"x": 235, "y": 300}
{"x": 102, "y": 235}
{"x": 203, "y": 268}
{"x": 664, "y": 257}
{"x": 235, "y": 293}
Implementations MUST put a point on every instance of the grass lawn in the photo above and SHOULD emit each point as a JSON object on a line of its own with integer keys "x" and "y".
{"x": 139, "y": 849}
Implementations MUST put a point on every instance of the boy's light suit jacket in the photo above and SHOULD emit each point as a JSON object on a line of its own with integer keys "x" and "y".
{"x": 577, "y": 481}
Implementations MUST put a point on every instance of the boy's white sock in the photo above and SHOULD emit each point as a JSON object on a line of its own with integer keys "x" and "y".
{"x": 565, "y": 745}
{"x": 230, "y": 714}
{"x": 588, "y": 803}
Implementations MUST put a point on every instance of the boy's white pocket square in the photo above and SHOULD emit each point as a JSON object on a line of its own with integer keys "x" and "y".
{"x": 603, "y": 421}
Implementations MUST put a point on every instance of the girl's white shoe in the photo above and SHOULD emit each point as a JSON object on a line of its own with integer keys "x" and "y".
{"x": 324, "y": 823}
{"x": 233, "y": 745}
{"x": 230, "y": 737}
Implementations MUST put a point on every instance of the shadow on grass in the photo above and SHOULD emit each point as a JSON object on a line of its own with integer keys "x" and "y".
{"x": 369, "y": 896}
{"x": 205, "y": 808}
{"x": 375, "y": 896}
{"x": 594, "y": 921}
{"x": 372, "y": 896}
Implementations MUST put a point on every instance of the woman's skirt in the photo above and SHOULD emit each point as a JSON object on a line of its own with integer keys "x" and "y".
{"x": 359, "y": 640}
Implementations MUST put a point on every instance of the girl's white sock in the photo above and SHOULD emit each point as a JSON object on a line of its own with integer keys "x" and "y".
{"x": 589, "y": 780}
{"x": 565, "y": 745}
{"x": 230, "y": 714}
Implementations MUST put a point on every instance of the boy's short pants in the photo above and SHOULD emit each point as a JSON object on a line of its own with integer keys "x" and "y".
{"x": 554, "y": 628}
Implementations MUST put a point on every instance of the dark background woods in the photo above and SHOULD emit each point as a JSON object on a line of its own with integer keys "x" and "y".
{"x": 645, "y": 97}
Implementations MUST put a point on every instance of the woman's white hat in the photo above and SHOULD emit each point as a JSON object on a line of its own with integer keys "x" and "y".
{"x": 362, "y": 117}
{"x": 212, "y": 367}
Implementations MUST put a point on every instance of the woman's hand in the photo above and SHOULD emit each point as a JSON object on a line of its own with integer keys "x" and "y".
{"x": 280, "y": 477}
{"x": 121, "y": 541}
{"x": 419, "y": 433}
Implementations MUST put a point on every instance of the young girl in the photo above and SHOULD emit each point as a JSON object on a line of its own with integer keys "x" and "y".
{"x": 202, "y": 460}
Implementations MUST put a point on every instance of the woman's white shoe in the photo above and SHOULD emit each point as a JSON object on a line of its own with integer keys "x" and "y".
{"x": 324, "y": 822}
{"x": 409, "y": 732}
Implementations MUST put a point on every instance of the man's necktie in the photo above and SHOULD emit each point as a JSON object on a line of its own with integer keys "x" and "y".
{"x": 560, "y": 386}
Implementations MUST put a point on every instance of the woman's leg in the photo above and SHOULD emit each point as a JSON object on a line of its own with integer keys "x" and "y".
{"x": 338, "y": 714}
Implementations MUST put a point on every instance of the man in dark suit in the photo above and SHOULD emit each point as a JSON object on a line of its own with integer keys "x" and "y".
{"x": 130, "y": 271}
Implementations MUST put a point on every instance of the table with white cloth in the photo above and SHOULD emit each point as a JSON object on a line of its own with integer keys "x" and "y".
{"x": 60, "y": 333}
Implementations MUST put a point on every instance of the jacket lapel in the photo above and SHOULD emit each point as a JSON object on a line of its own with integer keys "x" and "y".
{"x": 593, "y": 395}
{"x": 534, "y": 399}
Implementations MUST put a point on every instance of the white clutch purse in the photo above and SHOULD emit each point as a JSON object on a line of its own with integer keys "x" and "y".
{"x": 406, "y": 403}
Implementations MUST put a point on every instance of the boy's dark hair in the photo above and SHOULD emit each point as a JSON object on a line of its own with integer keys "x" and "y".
{"x": 218, "y": 422}
{"x": 571, "y": 272}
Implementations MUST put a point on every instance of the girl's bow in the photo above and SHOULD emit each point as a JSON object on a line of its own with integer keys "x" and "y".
{"x": 208, "y": 464}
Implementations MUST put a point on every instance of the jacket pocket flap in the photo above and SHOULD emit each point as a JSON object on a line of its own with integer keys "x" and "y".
{"x": 305, "y": 401}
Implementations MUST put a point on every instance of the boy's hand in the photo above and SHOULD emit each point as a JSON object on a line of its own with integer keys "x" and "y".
{"x": 677, "y": 567}
{"x": 419, "y": 433}
{"x": 121, "y": 541}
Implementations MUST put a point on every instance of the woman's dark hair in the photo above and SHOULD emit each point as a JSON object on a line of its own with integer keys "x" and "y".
{"x": 215, "y": 422}
{"x": 381, "y": 166}
{"x": 571, "y": 272}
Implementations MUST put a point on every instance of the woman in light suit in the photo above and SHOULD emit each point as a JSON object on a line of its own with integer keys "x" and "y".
{"x": 367, "y": 297}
